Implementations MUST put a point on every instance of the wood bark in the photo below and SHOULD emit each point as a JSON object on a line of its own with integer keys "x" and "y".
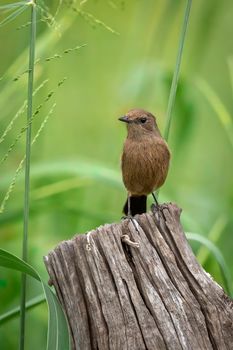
{"x": 137, "y": 285}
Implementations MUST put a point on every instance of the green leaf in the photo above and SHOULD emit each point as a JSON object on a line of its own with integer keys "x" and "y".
{"x": 214, "y": 235}
{"x": 58, "y": 334}
{"x": 219, "y": 108}
{"x": 39, "y": 299}
{"x": 58, "y": 338}
{"x": 13, "y": 15}
{"x": 13, "y": 262}
{"x": 218, "y": 256}
{"x": 78, "y": 168}
{"x": 230, "y": 65}
{"x": 172, "y": 95}
{"x": 12, "y": 5}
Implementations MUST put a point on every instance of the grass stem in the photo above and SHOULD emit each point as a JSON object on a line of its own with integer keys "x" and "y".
{"x": 172, "y": 95}
{"x": 27, "y": 170}
{"x": 9, "y": 315}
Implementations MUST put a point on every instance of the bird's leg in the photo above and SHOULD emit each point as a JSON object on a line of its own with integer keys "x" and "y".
{"x": 129, "y": 209}
{"x": 155, "y": 199}
{"x": 129, "y": 215}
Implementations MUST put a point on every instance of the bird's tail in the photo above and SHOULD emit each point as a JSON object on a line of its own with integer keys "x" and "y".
{"x": 137, "y": 205}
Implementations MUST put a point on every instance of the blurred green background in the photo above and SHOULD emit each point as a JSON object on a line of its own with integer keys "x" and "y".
{"x": 128, "y": 62}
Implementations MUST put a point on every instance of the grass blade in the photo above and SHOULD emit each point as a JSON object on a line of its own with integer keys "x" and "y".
{"x": 10, "y": 125}
{"x": 20, "y": 112}
{"x": 12, "y": 5}
{"x": 27, "y": 171}
{"x": 23, "y": 129}
{"x": 172, "y": 95}
{"x": 58, "y": 334}
{"x": 230, "y": 65}
{"x": 214, "y": 235}
{"x": 12, "y": 16}
{"x": 20, "y": 166}
{"x": 59, "y": 187}
{"x": 218, "y": 256}
{"x": 7, "y": 316}
{"x": 13, "y": 262}
{"x": 219, "y": 108}
{"x": 93, "y": 20}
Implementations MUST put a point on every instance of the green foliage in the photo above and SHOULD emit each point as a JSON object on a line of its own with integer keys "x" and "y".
{"x": 222, "y": 113}
{"x": 172, "y": 96}
{"x": 22, "y": 7}
{"x": 16, "y": 311}
{"x": 75, "y": 174}
{"x": 217, "y": 255}
{"x": 58, "y": 334}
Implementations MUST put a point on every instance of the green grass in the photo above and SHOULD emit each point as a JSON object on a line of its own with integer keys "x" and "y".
{"x": 58, "y": 335}
{"x": 75, "y": 169}
{"x": 172, "y": 95}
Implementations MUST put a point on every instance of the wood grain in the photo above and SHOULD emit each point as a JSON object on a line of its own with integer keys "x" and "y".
{"x": 137, "y": 285}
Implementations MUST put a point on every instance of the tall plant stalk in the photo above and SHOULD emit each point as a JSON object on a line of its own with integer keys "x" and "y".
{"x": 27, "y": 169}
{"x": 175, "y": 78}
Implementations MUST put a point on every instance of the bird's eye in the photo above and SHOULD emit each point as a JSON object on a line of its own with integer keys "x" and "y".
{"x": 143, "y": 120}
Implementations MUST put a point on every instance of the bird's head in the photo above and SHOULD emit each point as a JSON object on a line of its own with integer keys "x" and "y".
{"x": 140, "y": 122}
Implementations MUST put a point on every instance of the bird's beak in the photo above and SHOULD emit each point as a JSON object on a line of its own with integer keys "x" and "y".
{"x": 124, "y": 119}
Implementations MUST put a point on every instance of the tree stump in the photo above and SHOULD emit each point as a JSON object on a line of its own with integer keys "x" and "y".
{"x": 137, "y": 285}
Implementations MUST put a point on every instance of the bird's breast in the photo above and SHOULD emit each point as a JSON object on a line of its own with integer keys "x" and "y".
{"x": 144, "y": 164}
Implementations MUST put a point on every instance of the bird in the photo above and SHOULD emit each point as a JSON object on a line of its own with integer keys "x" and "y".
{"x": 144, "y": 161}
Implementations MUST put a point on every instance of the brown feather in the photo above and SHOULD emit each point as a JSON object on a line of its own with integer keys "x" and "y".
{"x": 145, "y": 157}
{"x": 144, "y": 164}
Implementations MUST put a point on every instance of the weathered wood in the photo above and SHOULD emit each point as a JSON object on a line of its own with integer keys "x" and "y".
{"x": 127, "y": 288}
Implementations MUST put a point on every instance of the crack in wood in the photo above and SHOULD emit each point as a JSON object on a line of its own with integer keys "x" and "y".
{"x": 154, "y": 297}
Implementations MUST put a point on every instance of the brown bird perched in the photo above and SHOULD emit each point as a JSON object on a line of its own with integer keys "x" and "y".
{"x": 145, "y": 160}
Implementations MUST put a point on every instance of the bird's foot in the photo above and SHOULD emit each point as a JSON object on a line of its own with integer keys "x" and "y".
{"x": 125, "y": 238}
{"x": 133, "y": 220}
{"x": 156, "y": 203}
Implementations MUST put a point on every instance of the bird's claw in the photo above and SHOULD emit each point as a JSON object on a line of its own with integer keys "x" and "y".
{"x": 133, "y": 220}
